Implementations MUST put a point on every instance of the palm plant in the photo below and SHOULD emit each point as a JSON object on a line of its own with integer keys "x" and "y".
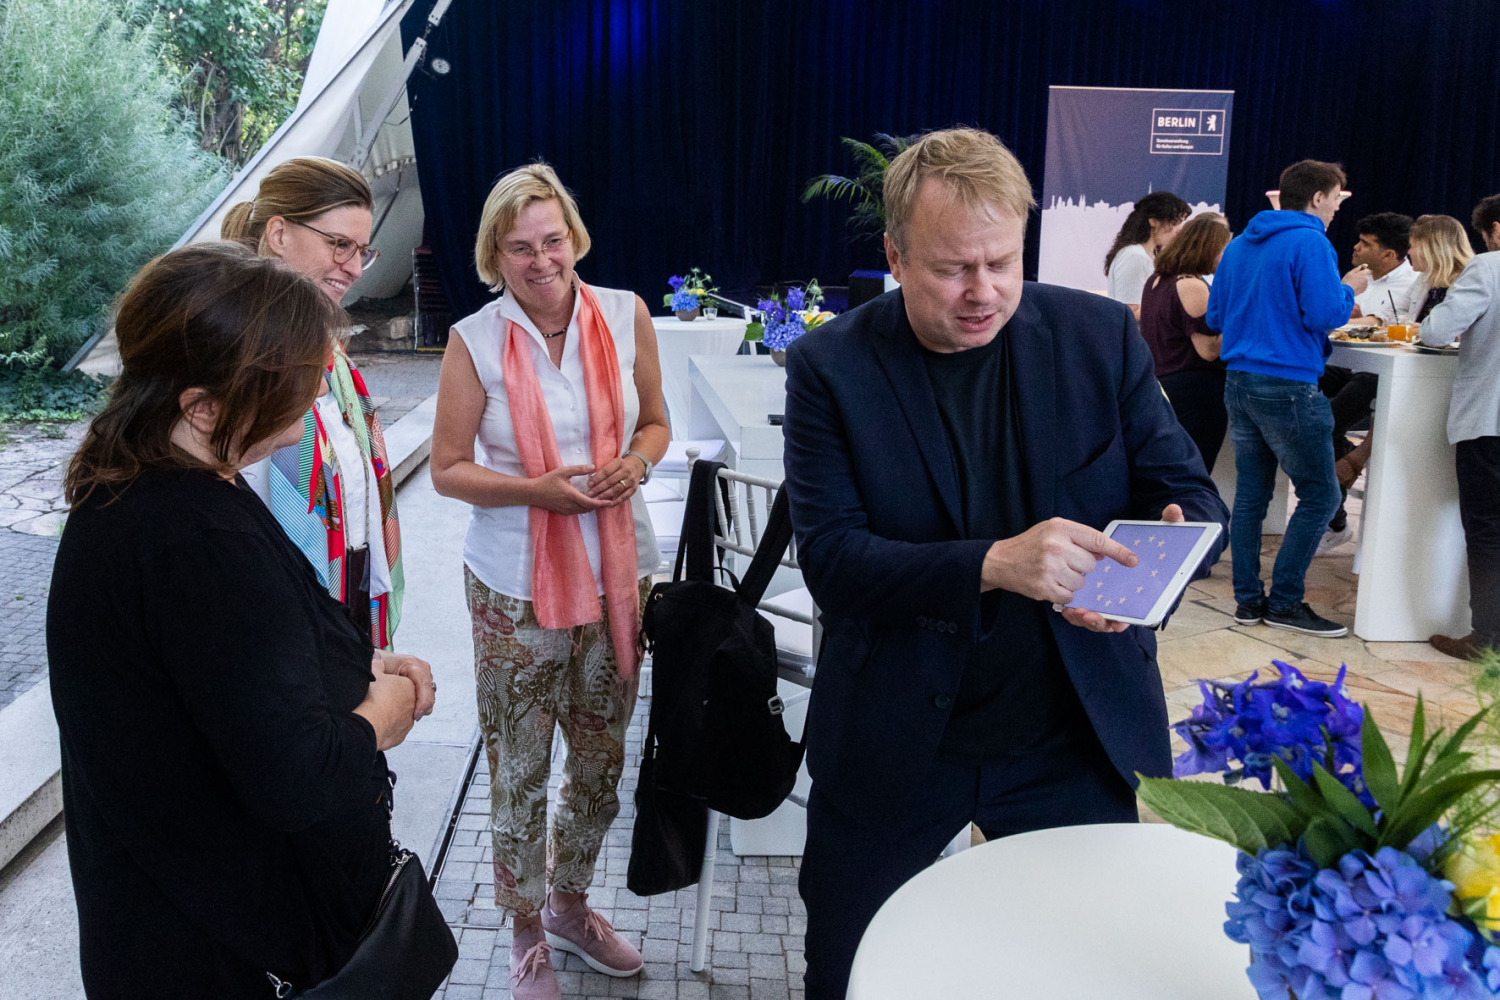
{"x": 866, "y": 189}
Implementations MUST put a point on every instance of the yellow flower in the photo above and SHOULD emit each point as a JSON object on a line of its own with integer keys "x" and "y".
{"x": 1474, "y": 870}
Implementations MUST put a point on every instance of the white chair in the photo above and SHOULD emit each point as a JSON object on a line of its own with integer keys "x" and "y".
{"x": 738, "y": 528}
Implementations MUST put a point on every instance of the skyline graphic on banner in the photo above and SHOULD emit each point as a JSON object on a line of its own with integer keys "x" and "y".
{"x": 1108, "y": 146}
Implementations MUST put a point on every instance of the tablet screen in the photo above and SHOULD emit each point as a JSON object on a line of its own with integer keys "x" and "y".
{"x": 1114, "y": 590}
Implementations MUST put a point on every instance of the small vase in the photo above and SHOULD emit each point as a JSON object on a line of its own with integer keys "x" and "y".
{"x": 779, "y": 357}
{"x": 688, "y": 315}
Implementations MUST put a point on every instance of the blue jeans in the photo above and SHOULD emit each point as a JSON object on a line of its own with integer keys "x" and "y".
{"x": 1276, "y": 421}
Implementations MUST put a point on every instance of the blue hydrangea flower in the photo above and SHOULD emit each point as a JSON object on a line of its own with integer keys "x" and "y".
{"x": 796, "y": 299}
{"x": 782, "y": 332}
{"x": 1373, "y": 928}
{"x": 684, "y": 301}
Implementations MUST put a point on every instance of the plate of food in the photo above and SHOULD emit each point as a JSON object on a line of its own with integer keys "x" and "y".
{"x": 1371, "y": 340}
{"x": 1428, "y": 349}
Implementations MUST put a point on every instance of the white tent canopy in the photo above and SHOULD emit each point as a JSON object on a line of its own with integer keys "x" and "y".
{"x": 352, "y": 108}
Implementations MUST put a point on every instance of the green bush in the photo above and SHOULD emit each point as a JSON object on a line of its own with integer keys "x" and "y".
{"x": 98, "y": 170}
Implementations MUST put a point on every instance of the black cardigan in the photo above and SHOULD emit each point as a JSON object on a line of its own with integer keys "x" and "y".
{"x": 224, "y": 807}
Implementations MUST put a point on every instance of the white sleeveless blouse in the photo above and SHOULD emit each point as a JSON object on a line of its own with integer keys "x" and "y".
{"x": 498, "y": 546}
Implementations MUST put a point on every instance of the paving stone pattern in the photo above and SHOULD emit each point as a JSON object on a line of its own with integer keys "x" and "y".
{"x": 25, "y": 571}
{"x": 756, "y": 925}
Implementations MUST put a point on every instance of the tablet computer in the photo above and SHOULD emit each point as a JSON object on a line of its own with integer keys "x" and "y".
{"x": 1143, "y": 594}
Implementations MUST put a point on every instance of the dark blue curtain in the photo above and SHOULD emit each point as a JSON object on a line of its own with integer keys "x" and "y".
{"x": 687, "y": 128}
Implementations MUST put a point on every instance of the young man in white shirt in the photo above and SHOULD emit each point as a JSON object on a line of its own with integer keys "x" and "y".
{"x": 1384, "y": 239}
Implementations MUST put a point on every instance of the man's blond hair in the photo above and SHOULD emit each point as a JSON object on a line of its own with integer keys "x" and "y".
{"x": 977, "y": 168}
{"x": 507, "y": 199}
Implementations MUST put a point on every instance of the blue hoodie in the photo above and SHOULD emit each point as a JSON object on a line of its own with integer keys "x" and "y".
{"x": 1276, "y": 295}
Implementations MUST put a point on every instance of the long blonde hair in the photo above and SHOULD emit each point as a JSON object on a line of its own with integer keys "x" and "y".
{"x": 1446, "y": 247}
{"x": 298, "y": 190}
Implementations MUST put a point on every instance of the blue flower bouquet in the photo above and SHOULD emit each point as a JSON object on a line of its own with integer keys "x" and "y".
{"x": 1359, "y": 880}
{"x": 789, "y": 316}
{"x": 688, "y": 291}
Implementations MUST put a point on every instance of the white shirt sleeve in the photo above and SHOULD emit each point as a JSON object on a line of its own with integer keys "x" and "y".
{"x": 1128, "y": 274}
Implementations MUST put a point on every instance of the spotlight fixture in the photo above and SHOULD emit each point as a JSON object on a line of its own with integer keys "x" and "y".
{"x": 440, "y": 66}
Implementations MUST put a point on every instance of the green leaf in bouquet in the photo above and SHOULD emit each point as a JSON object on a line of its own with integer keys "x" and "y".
{"x": 1343, "y": 801}
{"x": 1379, "y": 765}
{"x": 1250, "y": 821}
{"x": 1426, "y": 805}
{"x": 1416, "y": 749}
{"x": 1302, "y": 795}
{"x": 1455, "y": 742}
{"x": 755, "y": 331}
{"x": 1327, "y": 839}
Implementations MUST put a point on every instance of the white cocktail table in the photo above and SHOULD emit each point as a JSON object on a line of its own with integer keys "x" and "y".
{"x": 1117, "y": 911}
{"x": 1413, "y": 574}
{"x": 677, "y": 341}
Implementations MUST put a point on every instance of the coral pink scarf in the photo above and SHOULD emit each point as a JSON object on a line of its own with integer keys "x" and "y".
{"x": 563, "y": 592}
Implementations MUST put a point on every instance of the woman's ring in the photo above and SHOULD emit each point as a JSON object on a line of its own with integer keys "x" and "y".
{"x": 433, "y": 685}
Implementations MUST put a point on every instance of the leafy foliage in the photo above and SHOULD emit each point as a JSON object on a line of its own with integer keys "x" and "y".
{"x": 97, "y": 173}
{"x": 42, "y": 393}
{"x": 242, "y": 64}
{"x": 866, "y": 188}
{"x": 1323, "y": 813}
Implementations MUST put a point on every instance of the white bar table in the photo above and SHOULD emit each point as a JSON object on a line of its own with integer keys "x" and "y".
{"x": 732, "y": 398}
{"x": 1123, "y": 911}
{"x": 676, "y": 341}
{"x": 1413, "y": 573}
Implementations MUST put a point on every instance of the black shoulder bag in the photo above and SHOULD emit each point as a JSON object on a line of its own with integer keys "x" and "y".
{"x": 716, "y": 737}
{"x": 405, "y": 951}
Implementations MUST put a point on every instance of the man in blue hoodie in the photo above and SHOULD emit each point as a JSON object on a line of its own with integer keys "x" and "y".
{"x": 1275, "y": 296}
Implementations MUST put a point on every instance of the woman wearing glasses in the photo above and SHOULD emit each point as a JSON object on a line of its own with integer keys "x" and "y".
{"x": 332, "y": 492}
{"x": 559, "y": 382}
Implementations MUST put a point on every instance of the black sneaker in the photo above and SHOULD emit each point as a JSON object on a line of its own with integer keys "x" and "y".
{"x": 1306, "y": 621}
{"x": 1251, "y": 612}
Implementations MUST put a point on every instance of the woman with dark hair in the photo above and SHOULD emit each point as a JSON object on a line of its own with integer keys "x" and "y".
{"x": 1173, "y": 304}
{"x": 224, "y": 782}
{"x": 1150, "y": 226}
{"x": 314, "y": 215}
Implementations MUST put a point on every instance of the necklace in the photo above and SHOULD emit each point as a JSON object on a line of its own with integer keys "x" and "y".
{"x": 559, "y": 333}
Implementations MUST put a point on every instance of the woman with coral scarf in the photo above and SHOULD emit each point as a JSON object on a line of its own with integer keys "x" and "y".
{"x": 559, "y": 383}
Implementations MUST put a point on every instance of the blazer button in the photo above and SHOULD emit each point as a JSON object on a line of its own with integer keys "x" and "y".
{"x": 943, "y": 701}
{"x": 953, "y": 628}
{"x": 922, "y": 621}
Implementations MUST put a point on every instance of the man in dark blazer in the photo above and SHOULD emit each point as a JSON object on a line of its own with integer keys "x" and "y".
{"x": 953, "y": 449}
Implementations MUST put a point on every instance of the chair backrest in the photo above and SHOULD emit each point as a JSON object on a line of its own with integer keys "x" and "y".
{"x": 741, "y": 512}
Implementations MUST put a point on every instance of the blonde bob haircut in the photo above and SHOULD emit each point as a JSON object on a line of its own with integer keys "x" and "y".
{"x": 507, "y": 199}
{"x": 976, "y": 167}
{"x": 1446, "y": 247}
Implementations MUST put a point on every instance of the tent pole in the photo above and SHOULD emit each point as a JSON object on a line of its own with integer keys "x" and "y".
{"x": 414, "y": 57}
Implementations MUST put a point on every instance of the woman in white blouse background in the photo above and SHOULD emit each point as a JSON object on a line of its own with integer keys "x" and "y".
{"x": 559, "y": 386}
{"x": 1131, "y": 260}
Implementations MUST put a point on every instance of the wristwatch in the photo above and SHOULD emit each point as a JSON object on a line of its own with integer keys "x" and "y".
{"x": 644, "y": 461}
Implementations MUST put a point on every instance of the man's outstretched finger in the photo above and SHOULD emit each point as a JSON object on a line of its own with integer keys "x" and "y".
{"x": 1101, "y": 544}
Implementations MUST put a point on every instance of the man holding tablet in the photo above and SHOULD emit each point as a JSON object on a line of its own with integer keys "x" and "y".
{"x": 953, "y": 449}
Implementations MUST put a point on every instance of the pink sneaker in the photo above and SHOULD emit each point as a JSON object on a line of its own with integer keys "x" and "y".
{"x": 531, "y": 975}
{"x": 584, "y": 933}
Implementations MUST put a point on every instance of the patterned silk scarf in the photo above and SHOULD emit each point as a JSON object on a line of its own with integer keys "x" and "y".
{"x": 563, "y": 592}
{"x": 306, "y": 486}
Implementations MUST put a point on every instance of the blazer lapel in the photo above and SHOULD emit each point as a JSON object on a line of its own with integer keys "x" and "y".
{"x": 1033, "y": 375}
{"x": 902, "y": 361}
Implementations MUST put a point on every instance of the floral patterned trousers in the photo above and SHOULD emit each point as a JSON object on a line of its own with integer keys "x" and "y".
{"x": 531, "y": 679}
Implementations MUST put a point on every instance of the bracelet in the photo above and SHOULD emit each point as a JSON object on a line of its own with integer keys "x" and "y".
{"x": 644, "y": 461}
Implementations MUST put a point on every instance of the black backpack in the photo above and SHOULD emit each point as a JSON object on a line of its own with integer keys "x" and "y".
{"x": 716, "y": 733}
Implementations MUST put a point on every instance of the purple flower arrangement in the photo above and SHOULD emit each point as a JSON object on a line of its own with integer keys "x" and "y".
{"x": 1358, "y": 880}
{"x": 1293, "y": 719}
{"x": 788, "y": 317}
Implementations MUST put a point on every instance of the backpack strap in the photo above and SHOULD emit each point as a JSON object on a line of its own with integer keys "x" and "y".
{"x": 696, "y": 544}
{"x": 768, "y": 553}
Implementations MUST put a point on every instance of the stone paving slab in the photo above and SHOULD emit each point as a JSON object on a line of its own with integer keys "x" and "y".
{"x": 25, "y": 574}
{"x": 756, "y": 924}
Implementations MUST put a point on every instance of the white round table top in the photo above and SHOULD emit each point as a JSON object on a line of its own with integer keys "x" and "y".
{"x": 1117, "y": 911}
{"x": 701, "y": 325}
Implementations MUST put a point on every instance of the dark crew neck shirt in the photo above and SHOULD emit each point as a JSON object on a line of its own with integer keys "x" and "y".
{"x": 1015, "y": 694}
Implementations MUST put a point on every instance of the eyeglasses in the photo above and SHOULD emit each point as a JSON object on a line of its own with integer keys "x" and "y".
{"x": 522, "y": 252}
{"x": 344, "y": 248}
